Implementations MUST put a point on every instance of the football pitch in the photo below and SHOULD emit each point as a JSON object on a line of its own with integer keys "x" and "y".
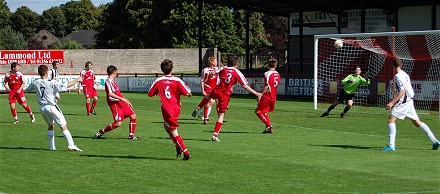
{"x": 305, "y": 154}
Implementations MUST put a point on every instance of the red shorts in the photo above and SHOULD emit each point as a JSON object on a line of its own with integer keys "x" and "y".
{"x": 14, "y": 96}
{"x": 89, "y": 91}
{"x": 208, "y": 90}
{"x": 170, "y": 117}
{"x": 265, "y": 105}
{"x": 120, "y": 111}
{"x": 222, "y": 100}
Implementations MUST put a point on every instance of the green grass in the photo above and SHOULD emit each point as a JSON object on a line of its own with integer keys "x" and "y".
{"x": 306, "y": 154}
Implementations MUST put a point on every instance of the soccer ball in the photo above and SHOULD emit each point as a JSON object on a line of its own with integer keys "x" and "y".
{"x": 338, "y": 43}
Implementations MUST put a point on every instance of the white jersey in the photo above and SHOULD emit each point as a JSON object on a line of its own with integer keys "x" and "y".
{"x": 46, "y": 90}
{"x": 53, "y": 74}
{"x": 403, "y": 82}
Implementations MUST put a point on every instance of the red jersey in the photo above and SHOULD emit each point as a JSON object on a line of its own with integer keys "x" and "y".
{"x": 112, "y": 87}
{"x": 14, "y": 80}
{"x": 169, "y": 88}
{"x": 88, "y": 78}
{"x": 272, "y": 80}
{"x": 229, "y": 76}
{"x": 209, "y": 78}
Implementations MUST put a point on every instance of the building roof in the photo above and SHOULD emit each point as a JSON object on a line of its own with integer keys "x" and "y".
{"x": 41, "y": 40}
{"x": 84, "y": 37}
{"x": 285, "y": 7}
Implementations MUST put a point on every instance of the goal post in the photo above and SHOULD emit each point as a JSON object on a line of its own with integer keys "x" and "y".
{"x": 374, "y": 53}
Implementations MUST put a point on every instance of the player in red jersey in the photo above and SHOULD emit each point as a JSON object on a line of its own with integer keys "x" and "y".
{"x": 267, "y": 102}
{"x": 121, "y": 107}
{"x": 229, "y": 76}
{"x": 14, "y": 83}
{"x": 88, "y": 84}
{"x": 169, "y": 89}
{"x": 208, "y": 82}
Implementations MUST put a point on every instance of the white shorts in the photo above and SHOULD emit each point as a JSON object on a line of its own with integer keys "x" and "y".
{"x": 52, "y": 114}
{"x": 405, "y": 110}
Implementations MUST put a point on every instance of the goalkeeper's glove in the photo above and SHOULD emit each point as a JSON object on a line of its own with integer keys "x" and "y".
{"x": 367, "y": 76}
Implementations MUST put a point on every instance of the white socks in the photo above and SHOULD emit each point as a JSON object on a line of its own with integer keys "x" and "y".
{"x": 392, "y": 135}
{"x": 428, "y": 132}
{"x": 68, "y": 137}
{"x": 51, "y": 138}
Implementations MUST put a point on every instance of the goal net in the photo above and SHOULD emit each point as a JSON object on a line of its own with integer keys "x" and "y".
{"x": 374, "y": 53}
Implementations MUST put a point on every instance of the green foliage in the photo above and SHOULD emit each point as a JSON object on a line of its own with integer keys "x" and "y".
{"x": 81, "y": 15}
{"x": 54, "y": 21}
{"x": 218, "y": 26}
{"x": 11, "y": 40}
{"x": 26, "y": 21}
{"x": 257, "y": 34}
{"x": 305, "y": 154}
{"x": 69, "y": 44}
{"x": 5, "y": 14}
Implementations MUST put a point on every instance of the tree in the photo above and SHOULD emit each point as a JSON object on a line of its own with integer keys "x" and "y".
{"x": 69, "y": 44}
{"x": 81, "y": 15}
{"x": 26, "y": 21}
{"x": 276, "y": 27}
{"x": 119, "y": 29}
{"x": 218, "y": 27}
{"x": 5, "y": 14}
{"x": 54, "y": 21}
{"x": 11, "y": 40}
{"x": 257, "y": 34}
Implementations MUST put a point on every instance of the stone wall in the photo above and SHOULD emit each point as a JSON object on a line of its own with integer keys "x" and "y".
{"x": 128, "y": 61}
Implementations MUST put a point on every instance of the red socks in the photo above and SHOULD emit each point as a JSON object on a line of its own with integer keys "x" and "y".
{"x": 218, "y": 127}
{"x": 264, "y": 117}
{"x": 203, "y": 102}
{"x": 28, "y": 109}
{"x": 108, "y": 128}
{"x": 179, "y": 141}
{"x": 88, "y": 107}
{"x": 93, "y": 106}
{"x": 14, "y": 112}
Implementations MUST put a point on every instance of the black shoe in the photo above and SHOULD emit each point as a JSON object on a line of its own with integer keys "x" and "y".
{"x": 133, "y": 138}
{"x": 268, "y": 130}
{"x": 187, "y": 157}
{"x": 194, "y": 114}
{"x": 342, "y": 115}
{"x": 178, "y": 152}
{"x": 94, "y": 113}
{"x": 97, "y": 135}
{"x": 324, "y": 114}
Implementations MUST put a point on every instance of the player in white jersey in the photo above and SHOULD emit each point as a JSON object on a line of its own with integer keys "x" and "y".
{"x": 46, "y": 91}
{"x": 403, "y": 106}
{"x": 53, "y": 74}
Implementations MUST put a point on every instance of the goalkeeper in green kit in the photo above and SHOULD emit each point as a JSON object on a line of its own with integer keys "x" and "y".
{"x": 350, "y": 85}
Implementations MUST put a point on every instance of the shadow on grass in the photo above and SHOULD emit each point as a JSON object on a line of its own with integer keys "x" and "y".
{"x": 22, "y": 148}
{"x": 126, "y": 157}
{"x": 184, "y": 139}
{"x": 348, "y": 147}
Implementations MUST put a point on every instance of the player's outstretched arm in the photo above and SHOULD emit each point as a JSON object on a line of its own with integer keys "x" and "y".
{"x": 248, "y": 88}
{"x": 70, "y": 84}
